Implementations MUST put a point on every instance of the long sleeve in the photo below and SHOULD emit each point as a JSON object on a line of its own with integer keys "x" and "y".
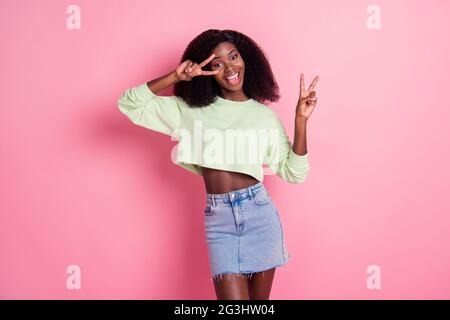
{"x": 144, "y": 108}
{"x": 280, "y": 157}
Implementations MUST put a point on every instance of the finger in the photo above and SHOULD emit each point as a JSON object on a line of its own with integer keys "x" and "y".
{"x": 196, "y": 69}
{"x": 185, "y": 63}
{"x": 205, "y": 62}
{"x": 191, "y": 66}
{"x": 308, "y": 99}
{"x": 184, "y": 66}
{"x": 302, "y": 84}
{"x": 209, "y": 73}
{"x": 313, "y": 84}
{"x": 312, "y": 94}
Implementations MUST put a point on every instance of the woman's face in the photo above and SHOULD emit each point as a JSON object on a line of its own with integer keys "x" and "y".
{"x": 230, "y": 65}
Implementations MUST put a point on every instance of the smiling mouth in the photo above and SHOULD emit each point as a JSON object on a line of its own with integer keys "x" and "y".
{"x": 234, "y": 80}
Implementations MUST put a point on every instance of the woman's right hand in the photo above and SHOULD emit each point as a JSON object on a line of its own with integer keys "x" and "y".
{"x": 188, "y": 69}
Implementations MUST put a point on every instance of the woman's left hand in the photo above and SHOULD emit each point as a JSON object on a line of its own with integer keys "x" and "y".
{"x": 307, "y": 100}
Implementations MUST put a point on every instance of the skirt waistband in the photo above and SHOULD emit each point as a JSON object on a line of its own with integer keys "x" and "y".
{"x": 231, "y": 196}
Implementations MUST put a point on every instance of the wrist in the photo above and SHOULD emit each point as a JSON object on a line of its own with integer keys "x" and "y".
{"x": 174, "y": 77}
{"x": 300, "y": 119}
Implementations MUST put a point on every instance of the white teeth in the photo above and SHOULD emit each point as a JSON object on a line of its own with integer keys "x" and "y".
{"x": 232, "y": 77}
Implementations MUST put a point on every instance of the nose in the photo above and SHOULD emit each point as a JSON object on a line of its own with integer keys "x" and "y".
{"x": 229, "y": 67}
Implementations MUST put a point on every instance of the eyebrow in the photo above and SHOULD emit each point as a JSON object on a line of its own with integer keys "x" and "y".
{"x": 226, "y": 54}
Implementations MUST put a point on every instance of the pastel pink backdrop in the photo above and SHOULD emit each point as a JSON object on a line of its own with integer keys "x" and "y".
{"x": 81, "y": 185}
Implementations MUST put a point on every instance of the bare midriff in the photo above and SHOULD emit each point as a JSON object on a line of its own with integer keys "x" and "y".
{"x": 220, "y": 181}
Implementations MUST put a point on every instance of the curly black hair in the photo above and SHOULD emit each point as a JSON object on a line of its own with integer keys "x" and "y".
{"x": 259, "y": 82}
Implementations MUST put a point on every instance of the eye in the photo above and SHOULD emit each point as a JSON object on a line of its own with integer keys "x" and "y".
{"x": 216, "y": 65}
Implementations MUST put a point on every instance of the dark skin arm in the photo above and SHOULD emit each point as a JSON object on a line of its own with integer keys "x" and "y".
{"x": 305, "y": 106}
{"x": 161, "y": 83}
{"x": 184, "y": 72}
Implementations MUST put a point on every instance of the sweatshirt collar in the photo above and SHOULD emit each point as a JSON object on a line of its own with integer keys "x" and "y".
{"x": 225, "y": 102}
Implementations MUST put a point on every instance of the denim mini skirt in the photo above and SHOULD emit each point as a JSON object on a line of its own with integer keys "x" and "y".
{"x": 243, "y": 232}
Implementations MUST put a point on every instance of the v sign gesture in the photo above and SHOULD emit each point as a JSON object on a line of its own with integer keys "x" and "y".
{"x": 188, "y": 69}
{"x": 307, "y": 100}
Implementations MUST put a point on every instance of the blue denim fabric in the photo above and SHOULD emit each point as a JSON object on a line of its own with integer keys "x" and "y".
{"x": 243, "y": 232}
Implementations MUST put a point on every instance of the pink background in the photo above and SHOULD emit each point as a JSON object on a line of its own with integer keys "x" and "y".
{"x": 82, "y": 185}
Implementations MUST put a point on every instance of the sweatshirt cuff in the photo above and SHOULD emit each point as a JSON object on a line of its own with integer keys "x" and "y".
{"x": 298, "y": 160}
{"x": 143, "y": 92}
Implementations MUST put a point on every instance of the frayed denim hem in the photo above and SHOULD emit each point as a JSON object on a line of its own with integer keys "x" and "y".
{"x": 244, "y": 275}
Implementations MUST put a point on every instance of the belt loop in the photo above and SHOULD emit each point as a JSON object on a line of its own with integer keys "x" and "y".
{"x": 214, "y": 201}
{"x": 250, "y": 191}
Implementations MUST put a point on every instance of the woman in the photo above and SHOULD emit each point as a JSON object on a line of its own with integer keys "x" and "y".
{"x": 226, "y": 91}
